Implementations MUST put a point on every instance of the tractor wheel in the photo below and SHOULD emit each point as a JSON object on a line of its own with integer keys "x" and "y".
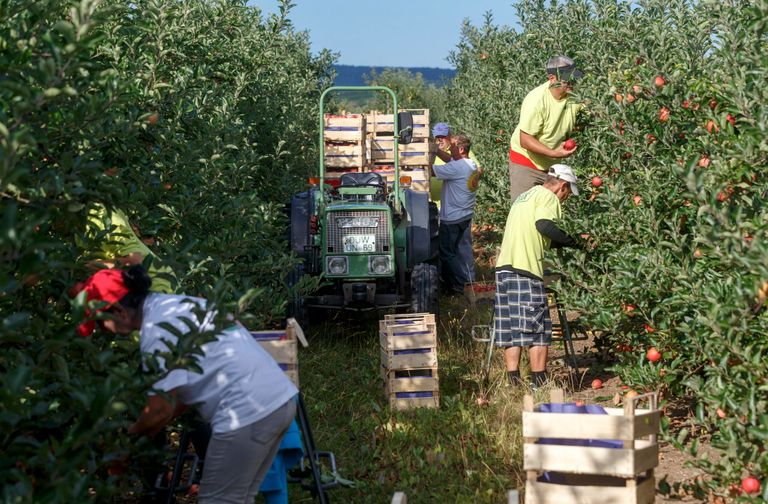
{"x": 424, "y": 283}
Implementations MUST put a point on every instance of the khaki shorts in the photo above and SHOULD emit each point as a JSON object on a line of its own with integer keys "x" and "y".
{"x": 522, "y": 178}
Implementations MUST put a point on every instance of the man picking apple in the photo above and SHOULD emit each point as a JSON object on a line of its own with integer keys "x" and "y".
{"x": 547, "y": 116}
{"x": 522, "y": 312}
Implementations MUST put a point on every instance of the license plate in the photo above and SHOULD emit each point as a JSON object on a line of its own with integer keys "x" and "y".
{"x": 359, "y": 243}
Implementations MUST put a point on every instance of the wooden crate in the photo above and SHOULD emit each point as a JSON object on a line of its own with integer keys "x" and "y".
{"x": 382, "y": 150}
{"x": 345, "y": 156}
{"x": 409, "y": 360}
{"x": 378, "y": 124}
{"x": 614, "y": 464}
{"x": 282, "y": 345}
{"x": 344, "y": 129}
{"x": 419, "y": 175}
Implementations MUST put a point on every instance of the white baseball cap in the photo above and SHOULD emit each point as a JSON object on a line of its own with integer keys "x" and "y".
{"x": 564, "y": 172}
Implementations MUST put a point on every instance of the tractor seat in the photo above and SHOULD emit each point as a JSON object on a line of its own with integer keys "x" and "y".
{"x": 362, "y": 179}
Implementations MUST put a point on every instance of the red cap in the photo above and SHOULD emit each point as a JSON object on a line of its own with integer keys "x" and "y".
{"x": 105, "y": 285}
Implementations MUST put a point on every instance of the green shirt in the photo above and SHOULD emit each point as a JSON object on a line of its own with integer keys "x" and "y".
{"x": 435, "y": 184}
{"x": 523, "y": 247}
{"x": 550, "y": 121}
{"x": 121, "y": 241}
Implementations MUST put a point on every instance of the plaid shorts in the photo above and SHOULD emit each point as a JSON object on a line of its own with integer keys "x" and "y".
{"x": 521, "y": 312}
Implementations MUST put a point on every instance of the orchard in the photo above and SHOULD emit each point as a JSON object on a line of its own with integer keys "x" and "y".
{"x": 197, "y": 118}
{"x": 677, "y": 203}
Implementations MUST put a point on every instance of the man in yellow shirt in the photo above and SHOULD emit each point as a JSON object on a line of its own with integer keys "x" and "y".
{"x": 111, "y": 242}
{"x": 547, "y": 116}
{"x": 521, "y": 312}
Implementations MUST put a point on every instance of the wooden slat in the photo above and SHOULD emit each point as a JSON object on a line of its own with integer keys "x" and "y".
{"x": 409, "y": 361}
{"x": 537, "y": 492}
{"x": 579, "y": 426}
{"x": 414, "y": 384}
{"x": 352, "y": 121}
{"x": 407, "y": 340}
{"x": 620, "y": 462}
{"x": 357, "y": 136}
{"x": 427, "y": 317}
{"x": 414, "y": 402}
{"x": 283, "y": 351}
{"x": 399, "y": 498}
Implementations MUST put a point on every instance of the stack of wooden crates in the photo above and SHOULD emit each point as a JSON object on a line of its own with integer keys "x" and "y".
{"x": 590, "y": 458}
{"x": 409, "y": 360}
{"x": 414, "y": 157}
{"x": 366, "y": 142}
{"x": 345, "y": 145}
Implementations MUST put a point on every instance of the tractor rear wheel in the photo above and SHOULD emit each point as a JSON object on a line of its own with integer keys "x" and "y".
{"x": 424, "y": 284}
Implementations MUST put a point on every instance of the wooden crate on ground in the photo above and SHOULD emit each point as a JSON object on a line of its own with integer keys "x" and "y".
{"x": 282, "y": 345}
{"x": 378, "y": 124}
{"x": 344, "y": 129}
{"x": 584, "y": 458}
{"x": 409, "y": 360}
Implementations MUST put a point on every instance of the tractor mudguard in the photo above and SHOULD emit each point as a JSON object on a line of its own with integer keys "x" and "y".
{"x": 302, "y": 209}
{"x": 422, "y": 228}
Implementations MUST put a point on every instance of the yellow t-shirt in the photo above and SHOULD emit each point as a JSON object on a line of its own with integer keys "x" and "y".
{"x": 547, "y": 119}
{"x": 436, "y": 185}
{"x": 523, "y": 247}
{"x": 122, "y": 241}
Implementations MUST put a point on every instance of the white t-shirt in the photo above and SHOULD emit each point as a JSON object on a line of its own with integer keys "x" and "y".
{"x": 240, "y": 383}
{"x": 458, "y": 194}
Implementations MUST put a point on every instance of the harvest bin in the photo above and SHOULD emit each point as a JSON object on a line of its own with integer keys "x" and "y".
{"x": 589, "y": 454}
{"x": 409, "y": 360}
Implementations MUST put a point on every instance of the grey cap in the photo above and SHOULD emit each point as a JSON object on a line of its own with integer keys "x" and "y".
{"x": 564, "y": 68}
{"x": 564, "y": 172}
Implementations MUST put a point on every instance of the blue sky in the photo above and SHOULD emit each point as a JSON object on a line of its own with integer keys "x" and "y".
{"x": 363, "y": 31}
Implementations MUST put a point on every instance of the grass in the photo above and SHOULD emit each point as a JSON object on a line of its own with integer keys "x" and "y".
{"x": 462, "y": 452}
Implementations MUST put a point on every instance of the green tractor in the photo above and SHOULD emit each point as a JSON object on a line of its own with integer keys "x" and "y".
{"x": 374, "y": 244}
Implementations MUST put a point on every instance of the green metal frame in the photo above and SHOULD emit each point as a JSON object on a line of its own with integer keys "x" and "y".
{"x": 396, "y": 131}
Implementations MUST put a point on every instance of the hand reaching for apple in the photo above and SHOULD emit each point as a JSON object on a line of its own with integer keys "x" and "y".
{"x": 566, "y": 149}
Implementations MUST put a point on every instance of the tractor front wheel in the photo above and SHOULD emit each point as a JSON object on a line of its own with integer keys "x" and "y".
{"x": 424, "y": 284}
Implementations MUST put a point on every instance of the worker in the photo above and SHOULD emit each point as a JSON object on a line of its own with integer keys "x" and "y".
{"x": 239, "y": 389}
{"x": 522, "y": 312}
{"x": 547, "y": 117}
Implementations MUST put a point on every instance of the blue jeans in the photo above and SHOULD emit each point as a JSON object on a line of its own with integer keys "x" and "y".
{"x": 454, "y": 270}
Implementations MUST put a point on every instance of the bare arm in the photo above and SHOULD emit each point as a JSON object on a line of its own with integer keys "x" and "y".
{"x": 157, "y": 413}
{"x": 530, "y": 143}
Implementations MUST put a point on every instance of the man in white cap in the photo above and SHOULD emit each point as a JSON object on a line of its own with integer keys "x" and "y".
{"x": 522, "y": 313}
{"x": 441, "y": 132}
{"x": 547, "y": 117}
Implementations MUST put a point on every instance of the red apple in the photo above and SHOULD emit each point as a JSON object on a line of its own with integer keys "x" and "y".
{"x": 629, "y": 309}
{"x": 579, "y": 403}
{"x": 721, "y": 196}
{"x": 597, "y": 383}
{"x": 686, "y": 104}
{"x": 194, "y": 489}
{"x": 659, "y": 81}
{"x": 731, "y": 120}
{"x": 630, "y": 394}
{"x": 637, "y": 89}
{"x": 153, "y": 118}
{"x": 704, "y": 161}
{"x": 750, "y": 485}
{"x": 712, "y": 127}
{"x": 637, "y": 200}
{"x": 630, "y": 98}
{"x": 664, "y": 114}
{"x": 713, "y": 104}
{"x": 569, "y": 144}
{"x": 597, "y": 181}
{"x": 649, "y": 329}
{"x": 653, "y": 355}
{"x": 721, "y": 413}
{"x": 650, "y": 137}
{"x": 618, "y": 98}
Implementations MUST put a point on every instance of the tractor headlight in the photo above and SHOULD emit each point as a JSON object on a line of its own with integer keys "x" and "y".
{"x": 337, "y": 265}
{"x": 379, "y": 265}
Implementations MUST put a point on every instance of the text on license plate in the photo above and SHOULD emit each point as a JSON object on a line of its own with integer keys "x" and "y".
{"x": 359, "y": 243}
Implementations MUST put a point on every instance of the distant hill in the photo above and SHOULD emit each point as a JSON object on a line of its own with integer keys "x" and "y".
{"x": 351, "y": 75}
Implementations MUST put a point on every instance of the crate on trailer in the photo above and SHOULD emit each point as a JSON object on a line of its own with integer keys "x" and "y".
{"x": 344, "y": 129}
{"x": 345, "y": 156}
{"x": 283, "y": 346}
{"x": 379, "y": 124}
{"x": 419, "y": 175}
{"x": 606, "y": 457}
{"x": 382, "y": 150}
